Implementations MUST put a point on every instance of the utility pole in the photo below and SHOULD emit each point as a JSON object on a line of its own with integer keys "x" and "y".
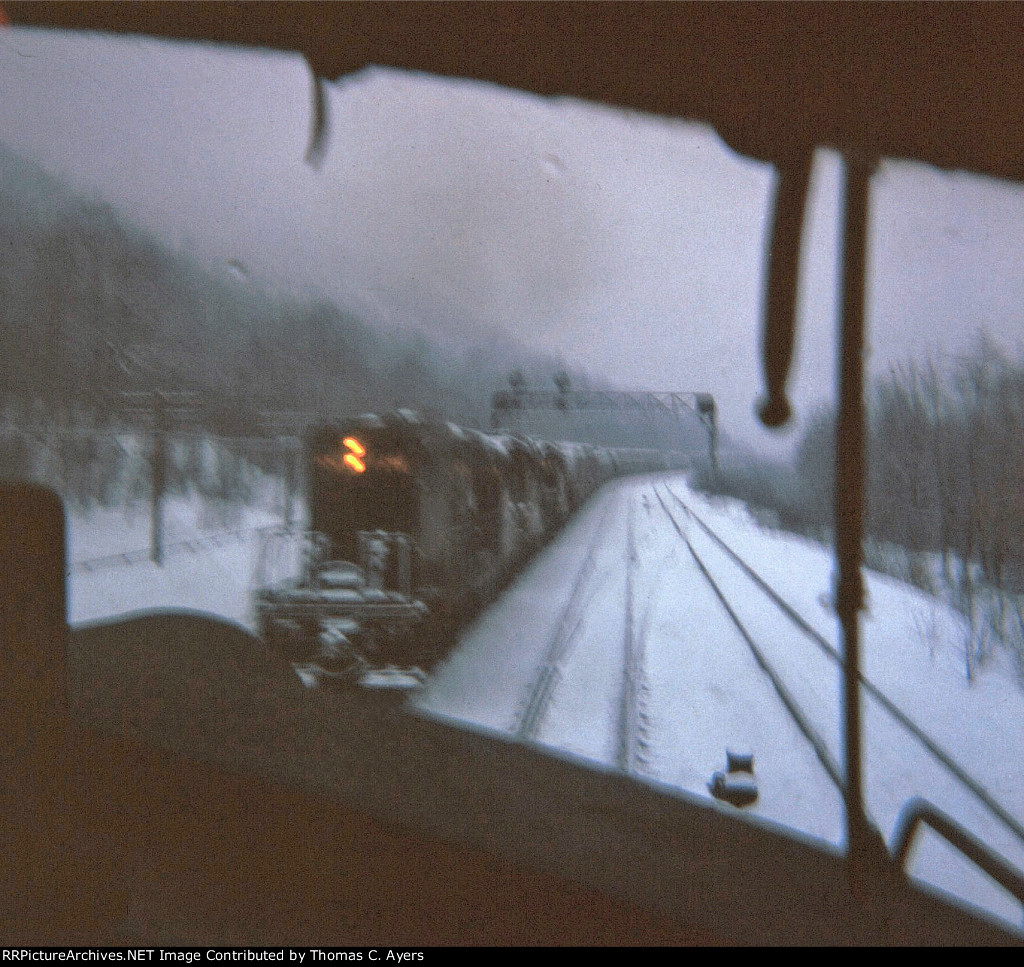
{"x": 158, "y": 477}
{"x": 287, "y": 428}
{"x": 706, "y": 413}
{"x": 290, "y": 483}
{"x": 156, "y": 407}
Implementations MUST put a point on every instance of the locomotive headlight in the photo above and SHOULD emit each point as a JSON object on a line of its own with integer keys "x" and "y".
{"x": 352, "y": 457}
{"x": 356, "y": 451}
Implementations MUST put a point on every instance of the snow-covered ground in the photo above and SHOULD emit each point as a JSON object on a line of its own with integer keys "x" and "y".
{"x": 702, "y": 691}
{"x": 208, "y": 566}
{"x": 619, "y": 591}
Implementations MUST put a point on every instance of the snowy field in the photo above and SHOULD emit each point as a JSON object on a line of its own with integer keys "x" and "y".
{"x": 208, "y": 566}
{"x": 613, "y": 647}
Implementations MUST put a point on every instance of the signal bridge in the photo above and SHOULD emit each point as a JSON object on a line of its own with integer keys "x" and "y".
{"x": 680, "y": 405}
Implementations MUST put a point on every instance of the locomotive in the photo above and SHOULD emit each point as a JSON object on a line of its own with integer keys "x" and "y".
{"x": 413, "y": 526}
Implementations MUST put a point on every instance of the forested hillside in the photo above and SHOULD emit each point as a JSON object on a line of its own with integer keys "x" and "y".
{"x": 91, "y": 307}
{"x": 945, "y": 486}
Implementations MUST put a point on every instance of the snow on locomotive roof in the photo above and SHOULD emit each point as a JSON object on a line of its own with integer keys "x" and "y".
{"x": 503, "y": 444}
{"x": 498, "y": 442}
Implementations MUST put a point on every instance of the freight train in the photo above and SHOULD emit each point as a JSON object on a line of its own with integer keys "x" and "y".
{"x": 413, "y": 525}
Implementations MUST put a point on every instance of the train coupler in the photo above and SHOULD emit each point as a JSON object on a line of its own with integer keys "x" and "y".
{"x": 342, "y": 660}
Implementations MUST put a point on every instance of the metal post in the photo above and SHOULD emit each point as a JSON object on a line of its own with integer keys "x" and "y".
{"x": 404, "y": 566}
{"x": 285, "y": 457}
{"x": 294, "y": 477}
{"x": 712, "y": 427}
{"x": 862, "y": 840}
{"x": 158, "y": 474}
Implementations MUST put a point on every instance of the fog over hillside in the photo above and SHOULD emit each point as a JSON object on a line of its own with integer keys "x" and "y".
{"x": 93, "y": 306}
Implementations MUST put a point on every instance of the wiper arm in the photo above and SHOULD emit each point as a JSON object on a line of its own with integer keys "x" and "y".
{"x": 919, "y": 811}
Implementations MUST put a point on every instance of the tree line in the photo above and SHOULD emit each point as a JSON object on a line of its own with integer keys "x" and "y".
{"x": 945, "y": 485}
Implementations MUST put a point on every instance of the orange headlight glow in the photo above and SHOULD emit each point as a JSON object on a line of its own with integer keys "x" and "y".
{"x": 352, "y": 459}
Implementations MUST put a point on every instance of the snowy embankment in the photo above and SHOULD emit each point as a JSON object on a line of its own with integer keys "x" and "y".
{"x": 579, "y": 610}
{"x": 913, "y": 653}
{"x": 208, "y": 561}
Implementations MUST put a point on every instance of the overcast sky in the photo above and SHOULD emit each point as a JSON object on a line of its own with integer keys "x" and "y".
{"x": 630, "y": 245}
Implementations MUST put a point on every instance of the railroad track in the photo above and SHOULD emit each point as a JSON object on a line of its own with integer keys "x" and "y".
{"x": 631, "y": 740}
{"x": 761, "y": 587}
{"x": 563, "y": 642}
{"x": 668, "y": 658}
{"x": 785, "y": 694}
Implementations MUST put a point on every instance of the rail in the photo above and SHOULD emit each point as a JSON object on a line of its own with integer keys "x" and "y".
{"x": 562, "y": 644}
{"x": 632, "y": 714}
{"x": 940, "y": 754}
{"x": 788, "y": 700}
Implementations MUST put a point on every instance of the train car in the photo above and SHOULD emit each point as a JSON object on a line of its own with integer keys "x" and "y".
{"x": 413, "y": 524}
